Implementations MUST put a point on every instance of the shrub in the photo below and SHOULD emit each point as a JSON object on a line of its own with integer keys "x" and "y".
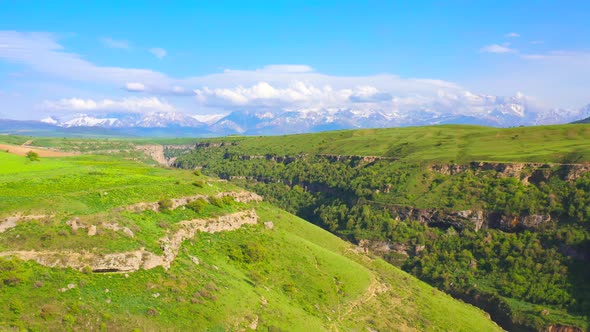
{"x": 197, "y": 172}
{"x": 32, "y": 156}
{"x": 197, "y": 205}
{"x": 165, "y": 204}
{"x": 152, "y": 311}
{"x": 216, "y": 201}
{"x": 228, "y": 200}
{"x": 16, "y": 306}
{"x": 199, "y": 183}
{"x": 247, "y": 253}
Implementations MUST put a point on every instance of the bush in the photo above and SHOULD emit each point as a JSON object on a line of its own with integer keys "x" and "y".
{"x": 197, "y": 205}
{"x": 197, "y": 172}
{"x": 199, "y": 183}
{"x": 216, "y": 201}
{"x": 165, "y": 204}
{"x": 152, "y": 311}
{"x": 228, "y": 200}
{"x": 32, "y": 156}
{"x": 247, "y": 253}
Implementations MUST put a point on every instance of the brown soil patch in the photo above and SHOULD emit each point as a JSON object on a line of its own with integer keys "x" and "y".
{"x": 22, "y": 151}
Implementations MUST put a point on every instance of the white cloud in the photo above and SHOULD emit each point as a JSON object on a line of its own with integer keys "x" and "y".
{"x": 112, "y": 43}
{"x": 537, "y": 42}
{"x": 298, "y": 94}
{"x": 495, "y": 48}
{"x": 158, "y": 52}
{"x": 512, "y": 35}
{"x": 263, "y": 94}
{"x": 287, "y": 68}
{"x": 125, "y": 104}
{"x": 577, "y": 58}
{"x": 282, "y": 86}
{"x": 42, "y": 53}
{"x": 134, "y": 87}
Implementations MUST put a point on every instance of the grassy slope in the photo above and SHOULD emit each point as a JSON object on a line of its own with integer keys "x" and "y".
{"x": 562, "y": 143}
{"x": 86, "y": 184}
{"x": 302, "y": 279}
{"x": 458, "y": 143}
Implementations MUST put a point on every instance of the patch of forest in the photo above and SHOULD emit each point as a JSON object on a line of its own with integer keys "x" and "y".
{"x": 526, "y": 274}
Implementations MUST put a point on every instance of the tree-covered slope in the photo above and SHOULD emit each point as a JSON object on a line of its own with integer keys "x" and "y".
{"x": 104, "y": 243}
{"x": 496, "y": 216}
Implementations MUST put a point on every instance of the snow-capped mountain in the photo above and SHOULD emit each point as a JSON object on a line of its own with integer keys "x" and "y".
{"x": 167, "y": 119}
{"x": 50, "y": 120}
{"x": 90, "y": 121}
{"x": 469, "y": 109}
{"x": 128, "y": 120}
{"x": 209, "y": 118}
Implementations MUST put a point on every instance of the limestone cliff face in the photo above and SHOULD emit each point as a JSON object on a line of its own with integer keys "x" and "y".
{"x": 560, "y": 328}
{"x": 475, "y": 219}
{"x": 525, "y": 172}
{"x": 158, "y": 152}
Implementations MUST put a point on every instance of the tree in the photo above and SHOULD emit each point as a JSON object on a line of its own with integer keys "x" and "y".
{"x": 32, "y": 156}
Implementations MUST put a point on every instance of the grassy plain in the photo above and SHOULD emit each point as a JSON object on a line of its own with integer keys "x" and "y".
{"x": 446, "y": 143}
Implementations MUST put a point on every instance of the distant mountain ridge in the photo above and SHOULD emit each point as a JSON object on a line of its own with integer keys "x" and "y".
{"x": 585, "y": 110}
{"x": 484, "y": 110}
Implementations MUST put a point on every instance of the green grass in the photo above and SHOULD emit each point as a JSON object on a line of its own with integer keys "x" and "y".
{"x": 13, "y": 164}
{"x": 456, "y": 143}
{"x": 295, "y": 277}
{"x": 303, "y": 279}
{"x": 88, "y": 184}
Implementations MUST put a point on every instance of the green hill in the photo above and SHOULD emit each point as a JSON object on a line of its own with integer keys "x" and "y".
{"x": 498, "y": 217}
{"x": 586, "y": 120}
{"x": 105, "y": 243}
{"x": 563, "y": 143}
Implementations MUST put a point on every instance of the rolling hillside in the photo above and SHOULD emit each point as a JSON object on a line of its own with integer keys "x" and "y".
{"x": 498, "y": 217}
{"x": 95, "y": 242}
{"x": 563, "y": 143}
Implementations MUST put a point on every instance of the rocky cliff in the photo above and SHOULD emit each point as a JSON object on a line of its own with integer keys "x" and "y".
{"x": 475, "y": 219}
{"x": 525, "y": 172}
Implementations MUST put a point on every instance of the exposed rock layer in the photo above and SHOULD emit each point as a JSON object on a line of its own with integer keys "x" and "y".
{"x": 476, "y": 219}
{"x": 134, "y": 260}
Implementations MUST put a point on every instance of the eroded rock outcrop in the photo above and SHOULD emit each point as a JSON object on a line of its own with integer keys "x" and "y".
{"x": 561, "y": 328}
{"x": 475, "y": 219}
{"x": 525, "y": 172}
{"x": 242, "y": 197}
{"x": 135, "y": 260}
{"x": 10, "y": 222}
{"x": 158, "y": 152}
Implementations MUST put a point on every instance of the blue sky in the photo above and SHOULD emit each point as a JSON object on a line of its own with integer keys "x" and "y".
{"x": 58, "y": 57}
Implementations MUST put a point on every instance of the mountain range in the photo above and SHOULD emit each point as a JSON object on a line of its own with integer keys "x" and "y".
{"x": 479, "y": 110}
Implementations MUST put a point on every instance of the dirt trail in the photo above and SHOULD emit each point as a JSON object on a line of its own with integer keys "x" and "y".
{"x": 22, "y": 150}
{"x": 27, "y": 143}
{"x": 375, "y": 288}
{"x": 134, "y": 260}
